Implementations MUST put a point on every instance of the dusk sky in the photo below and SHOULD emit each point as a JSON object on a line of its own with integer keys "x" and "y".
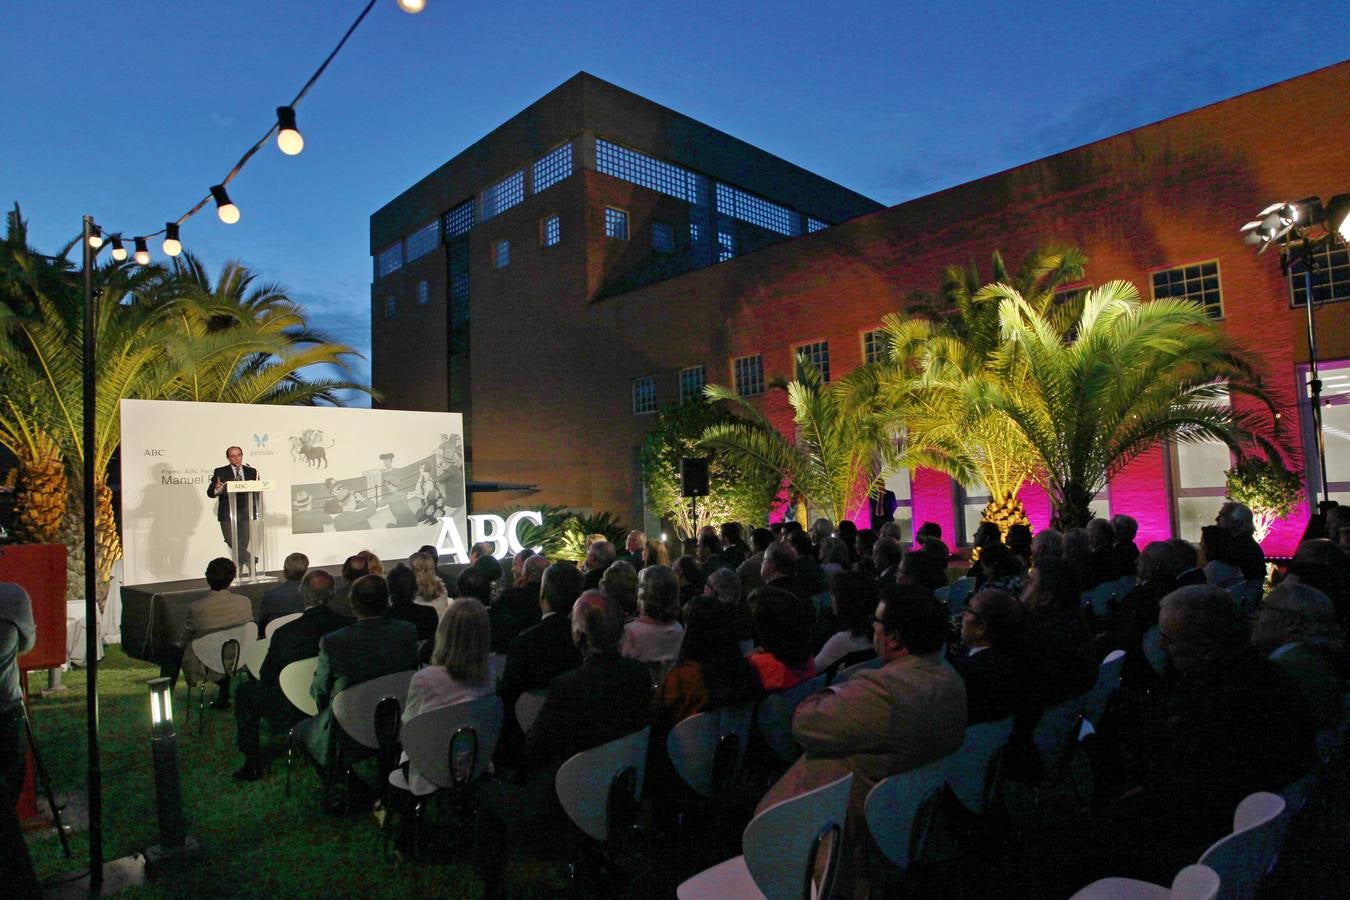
{"x": 130, "y": 110}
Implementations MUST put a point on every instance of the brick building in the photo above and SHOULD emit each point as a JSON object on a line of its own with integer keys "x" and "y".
{"x": 664, "y": 254}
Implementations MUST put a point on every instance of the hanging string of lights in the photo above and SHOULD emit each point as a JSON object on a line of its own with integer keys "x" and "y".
{"x": 289, "y": 142}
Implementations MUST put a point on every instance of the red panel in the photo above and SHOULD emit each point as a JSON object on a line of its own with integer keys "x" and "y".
{"x": 41, "y": 570}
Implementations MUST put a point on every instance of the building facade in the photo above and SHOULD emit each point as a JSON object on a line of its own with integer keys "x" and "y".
{"x": 672, "y": 255}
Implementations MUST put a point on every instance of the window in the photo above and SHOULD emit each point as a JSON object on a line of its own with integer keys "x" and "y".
{"x": 813, "y": 225}
{"x": 1335, "y": 429}
{"x": 550, "y": 231}
{"x": 739, "y": 204}
{"x": 726, "y": 246}
{"x": 390, "y": 307}
{"x": 817, "y": 354}
{"x": 748, "y": 375}
{"x": 459, "y": 299}
{"x": 692, "y": 381}
{"x": 970, "y": 504}
{"x": 503, "y": 195}
{"x": 616, "y": 223}
{"x": 695, "y": 233}
{"x": 1198, "y": 282}
{"x": 663, "y": 237}
{"x": 501, "y": 254}
{"x": 1330, "y": 277}
{"x": 551, "y": 168}
{"x": 1198, "y": 484}
{"x": 459, "y": 221}
{"x": 423, "y": 294}
{"x": 876, "y": 345}
{"x": 650, "y": 172}
{"x": 644, "y": 395}
{"x": 390, "y": 259}
{"x": 422, "y": 241}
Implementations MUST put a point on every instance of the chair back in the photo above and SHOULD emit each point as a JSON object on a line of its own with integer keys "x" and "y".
{"x": 972, "y": 772}
{"x": 1242, "y": 858}
{"x": 254, "y": 656}
{"x": 388, "y": 722}
{"x": 708, "y": 749}
{"x": 1153, "y": 651}
{"x": 898, "y": 811}
{"x": 1195, "y": 882}
{"x": 956, "y": 594}
{"x": 453, "y": 745}
{"x": 279, "y": 621}
{"x": 774, "y": 717}
{"x": 210, "y": 648}
{"x": 1247, "y": 594}
{"x": 583, "y": 782}
{"x": 780, "y": 843}
{"x": 295, "y": 681}
{"x": 1108, "y": 679}
{"x": 1100, "y": 598}
{"x": 1057, "y": 727}
{"x": 354, "y": 706}
{"x": 528, "y": 705}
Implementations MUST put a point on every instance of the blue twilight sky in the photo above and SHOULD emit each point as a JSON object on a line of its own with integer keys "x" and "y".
{"x": 130, "y": 110}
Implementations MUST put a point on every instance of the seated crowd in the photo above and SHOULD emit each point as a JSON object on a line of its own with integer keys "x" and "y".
{"x": 1226, "y": 688}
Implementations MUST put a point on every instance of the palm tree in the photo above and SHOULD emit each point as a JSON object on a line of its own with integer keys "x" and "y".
{"x": 944, "y": 357}
{"x": 1127, "y": 375}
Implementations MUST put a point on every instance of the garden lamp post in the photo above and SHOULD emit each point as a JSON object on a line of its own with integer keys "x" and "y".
{"x": 173, "y": 836}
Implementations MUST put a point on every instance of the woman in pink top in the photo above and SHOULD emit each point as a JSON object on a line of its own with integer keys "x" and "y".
{"x": 654, "y": 636}
{"x": 783, "y": 623}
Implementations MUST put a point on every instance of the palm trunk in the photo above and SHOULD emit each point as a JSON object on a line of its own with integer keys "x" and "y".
{"x": 107, "y": 543}
{"x": 41, "y": 505}
{"x": 1073, "y": 507}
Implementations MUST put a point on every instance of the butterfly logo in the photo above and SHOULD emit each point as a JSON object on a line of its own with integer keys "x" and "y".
{"x": 260, "y": 440}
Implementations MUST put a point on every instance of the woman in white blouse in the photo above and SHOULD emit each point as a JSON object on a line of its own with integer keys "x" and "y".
{"x": 430, "y": 588}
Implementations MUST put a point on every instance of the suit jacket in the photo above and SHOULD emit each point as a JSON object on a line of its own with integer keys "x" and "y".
{"x": 366, "y": 649}
{"x": 749, "y": 571}
{"x": 1313, "y": 669}
{"x": 603, "y": 699}
{"x": 282, "y": 600}
{"x": 995, "y": 684}
{"x": 299, "y": 640}
{"x": 423, "y": 618}
{"x": 514, "y": 610}
{"x": 226, "y": 473}
{"x": 216, "y": 611}
{"x": 536, "y": 656}
{"x": 342, "y": 599}
{"x": 909, "y": 712}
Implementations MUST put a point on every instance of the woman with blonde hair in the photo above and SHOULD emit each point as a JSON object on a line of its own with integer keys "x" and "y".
{"x": 373, "y": 564}
{"x": 656, "y": 554}
{"x": 430, "y": 588}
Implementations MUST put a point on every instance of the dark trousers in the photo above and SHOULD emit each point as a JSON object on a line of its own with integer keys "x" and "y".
{"x": 253, "y": 702}
{"x": 241, "y": 554}
{"x": 171, "y": 664}
{"x": 16, "y": 868}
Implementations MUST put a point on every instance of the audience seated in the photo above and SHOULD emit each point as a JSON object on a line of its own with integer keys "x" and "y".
{"x": 431, "y": 589}
{"x": 1060, "y": 661}
{"x": 654, "y": 636}
{"x": 935, "y": 557}
{"x": 620, "y": 583}
{"x": 886, "y": 557}
{"x": 402, "y": 591}
{"x": 284, "y": 599}
{"x": 473, "y": 582}
{"x": 353, "y": 568}
{"x": 710, "y": 671}
{"x": 848, "y": 533}
{"x": 1078, "y": 553}
{"x": 710, "y": 557}
{"x": 853, "y": 597}
{"x": 218, "y": 610}
{"x": 725, "y": 587}
{"x": 1000, "y": 569}
{"x": 1296, "y": 629}
{"x": 1048, "y": 542}
{"x": 734, "y": 549}
{"x": 690, "y": 576}
{"x": 656, "y": 554}
{"x": 1104, "y": 565}
{"x": 783, "y": 629}
{"x": 1236, "y": 519}
{"x": 373, "y": 564}
{"x": 634, "y": 545}
{"x": 990, "y": 660}
{"x": 292, "y": 642}
{"x": 810, "y": 576}
{"x": 1189, "y": 561}
{"x": 517, "y": 607}
{"x": 1019, "y": 542}
{"x": 862, "y": 550}
{"x": 779, "y": 570}
{"x": 834, "y": 556}
{"x": 599, "y": 557}
{"x": 481, "y": 558}
{"x": 1126, "y": 550}
{"x": 1215, "y": 558}
{"x": 1325, "y": 566}
{"x": 1134, "y": 614}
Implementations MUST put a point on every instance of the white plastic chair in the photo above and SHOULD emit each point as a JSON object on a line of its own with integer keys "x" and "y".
{"x": 1100, "y": 598}
{"x": 431, "y": 740}
{"x": 210, "y": 650}
{"x": 1194, "y": 882}
{"x": 1108, "y": 679}
{"x": 354, "y": 706}
{"x": 1244, "y": 857}
{"x": 971, "y": 771}
{"x": 895, "y": 811}
{"x": 295, "y": 680}
{"x": 956, "y": 594}
{"x": 774, "y": 717}
{"x": 527, "y": 708}
{"x": 278, "y": 622}
{"x": 583, "y": 782}
{"x": 780, "y": 847}
{"x": 1151, "y": 644}
{"x": 1057, "y": 727}
{"x": 254, "y": 656}
{"x": 695, "y": 743}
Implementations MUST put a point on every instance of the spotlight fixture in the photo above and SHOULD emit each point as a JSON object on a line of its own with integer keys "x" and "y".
{"x": 95, "y": 237}
{"x": 142, "y": 255}
{"x": 119, "y": 252}
{"x": 228, "y": 212}
{"x": 1338, "y": 216}
{"x": 289, "y": 140}
{"x": 172, "y": 246}
{"x": 412, "y": 7}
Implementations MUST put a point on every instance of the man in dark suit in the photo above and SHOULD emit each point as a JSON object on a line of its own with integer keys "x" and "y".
{"x": 990, "y": 663}
{"x": 284, "y": 599}
{"x": 352, "y": 569}
{"x": 517, "y": 608}
{"x": 599, "y": 557}
{"x": 292, "y": 642}
{"x": 371, "y": 647}
{"x": 244, "y": 509}
{"x": 604, "y": 699}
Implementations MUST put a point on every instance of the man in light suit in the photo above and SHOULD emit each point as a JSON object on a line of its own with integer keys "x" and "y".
{"x": 218, "y": 610}
{"x": 906, "y": 714}
{"x": 235, "y": 470}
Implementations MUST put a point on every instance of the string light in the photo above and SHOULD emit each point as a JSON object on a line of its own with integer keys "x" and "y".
{"x": 119, "y": 252}
{"x": 412, "y": 7}
{"x": 172, "y": 246}
{"x": 289, "y": 140}
{"x": 142, "y": 255}
{"x": 225, "y": 208}
{"x": 95, "y": 237}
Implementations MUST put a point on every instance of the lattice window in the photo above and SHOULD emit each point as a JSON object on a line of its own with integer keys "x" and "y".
{"x": 459, "y": 299}
{"x": 390, "y": 259}
{"x": 748, "y": 375}
{"x": 876, "y": 345}
{"x": 616, "y": 223}
{"x": 503, "y": 195}
{"x": 726, "y": 246}
{"x": 813, "y": 225}
{"x": 459, "y": 221}
{"x": 422, "y": 241}
{"x": 692, "y": 381}
{"x": 650, "y": 172}
{"x": 1198, "y": 282}
{"x": 818, "y": 355}
{"x": 644, "y": 395}
{"x": 423, "y": 293}
{"x": 501, "y": 254}
{"x": 550, "y": 232}
{"x": 739, "y": 204}
{"x": 551, "y": 168}
{"x": 663, "y": 237}
{"x": 1330, "y": 277}
{"x": 390, "y": 307}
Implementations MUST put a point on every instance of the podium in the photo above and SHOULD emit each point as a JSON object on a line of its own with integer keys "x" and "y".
{"x": 250, "y": 496}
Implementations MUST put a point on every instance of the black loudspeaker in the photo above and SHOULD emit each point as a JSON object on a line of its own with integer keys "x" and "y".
{"x": 693, "y": 476}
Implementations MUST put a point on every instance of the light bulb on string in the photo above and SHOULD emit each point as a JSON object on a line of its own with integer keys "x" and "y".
{"x": 142, "y": 255}
{"x": 119, "y": 252}
{"x": 289, "y": 140}
{"x": 171, "y": 246}
{"x": 412, "y": 7}
{"x": 95, "y": 237}
{"x": 225, "y": 208}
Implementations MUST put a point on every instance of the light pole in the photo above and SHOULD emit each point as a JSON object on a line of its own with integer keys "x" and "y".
{"x": 91, "y": 631}
{"x": 173, "y": 836}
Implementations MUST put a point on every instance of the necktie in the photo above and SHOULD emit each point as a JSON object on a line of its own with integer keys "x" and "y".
{"x": 237, "y": 476}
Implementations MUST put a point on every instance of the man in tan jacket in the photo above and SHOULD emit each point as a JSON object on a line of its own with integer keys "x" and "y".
{"x": 909, "y": 712}
{"x": 218, "y": 610}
